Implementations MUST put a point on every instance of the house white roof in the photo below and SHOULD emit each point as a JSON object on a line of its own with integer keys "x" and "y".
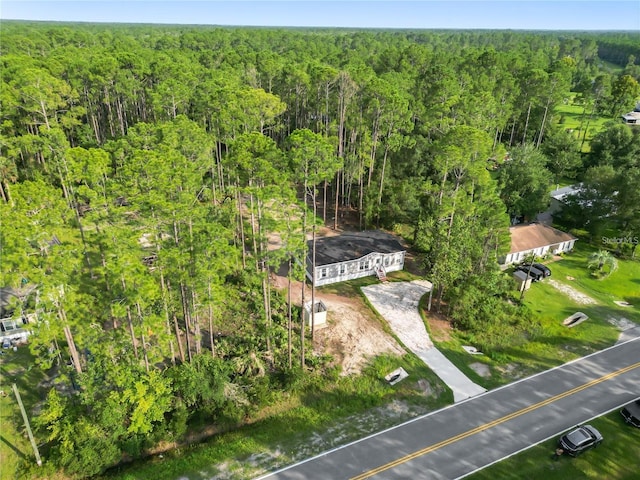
{"x": 632, "y": 116}
{"x": 563, "y": 192}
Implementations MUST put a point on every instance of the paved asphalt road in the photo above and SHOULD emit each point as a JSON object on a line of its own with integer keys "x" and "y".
{"x": 469, "y": 435}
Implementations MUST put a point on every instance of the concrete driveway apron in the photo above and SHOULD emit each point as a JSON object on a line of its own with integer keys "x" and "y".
{"x": 398, "y": 302}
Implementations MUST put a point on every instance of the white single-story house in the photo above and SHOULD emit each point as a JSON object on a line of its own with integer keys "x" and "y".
{"x": 559, "y": 196}
{"x": 354, "y": 255}
{"x": 15, "y": 329}
{"x": 536, "y": 238}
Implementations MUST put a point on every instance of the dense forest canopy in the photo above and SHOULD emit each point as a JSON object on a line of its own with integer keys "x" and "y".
{"x": 144, "y": 168}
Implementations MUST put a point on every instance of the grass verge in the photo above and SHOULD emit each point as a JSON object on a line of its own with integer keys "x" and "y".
{"x": 616, "y": 459}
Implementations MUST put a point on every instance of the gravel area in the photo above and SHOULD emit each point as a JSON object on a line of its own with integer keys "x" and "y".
{"x": 572, "y": 293}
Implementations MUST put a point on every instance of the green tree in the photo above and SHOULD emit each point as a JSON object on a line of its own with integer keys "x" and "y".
{"x": 313, "y": 157}
{"x": 625, "y": 91}
{"x": 462, "y": 218}
{"x": 601, "y": 259}
{"x": 627, "y": 209}
{"x": 561, "y": 150}
{"x": 592, "y": 206}
{"x": 525, "y": 182}
{"x": 617, "y": 145}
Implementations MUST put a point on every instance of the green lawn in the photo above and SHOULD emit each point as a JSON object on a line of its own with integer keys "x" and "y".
{"x": 622, "y": 285}
{"x": 618, "y": 458}
{"x": 555, "y": 344}
{"x": 573, "y": 117}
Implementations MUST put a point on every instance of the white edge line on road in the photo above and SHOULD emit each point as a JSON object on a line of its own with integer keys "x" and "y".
{"x": 541, "y": 441}
{"x": 327, "y": 452}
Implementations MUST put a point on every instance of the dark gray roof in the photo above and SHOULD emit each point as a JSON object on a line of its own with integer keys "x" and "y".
{"x": 6, "y": 293}
{"x": 353, "y": 245}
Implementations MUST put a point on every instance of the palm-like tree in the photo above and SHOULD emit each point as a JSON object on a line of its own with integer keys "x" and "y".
{"x": 601, "y": 259}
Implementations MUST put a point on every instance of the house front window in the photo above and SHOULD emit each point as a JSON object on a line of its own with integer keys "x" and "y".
{"x": 323, "y": 273}
{"x": 342, "y": 269}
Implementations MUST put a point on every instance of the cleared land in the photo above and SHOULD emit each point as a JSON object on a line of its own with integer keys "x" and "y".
{"x": 578, "y": 119}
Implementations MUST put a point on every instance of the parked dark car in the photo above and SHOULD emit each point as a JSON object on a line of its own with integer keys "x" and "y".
{"x": 533, "y": 272}
{"x": 631, "y": 413}
{"x": 543, "y": 268}
{"x": 580, "y": 439}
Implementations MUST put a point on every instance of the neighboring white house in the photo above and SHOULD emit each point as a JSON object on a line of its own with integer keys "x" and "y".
{"x": 632, "y": 118}
{"x": 16, "y": 329}
{"x": 354, "y": 255}
{"x": 559, "y": 196}
{"x": 536, "y": 238}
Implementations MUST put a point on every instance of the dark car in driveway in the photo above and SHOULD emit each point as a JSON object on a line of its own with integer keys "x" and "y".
{"x": 580, "y": 439}
{"x": 543, "y": 268}
{"x": 631, "y": 413}
{"x": 533, "y": 272}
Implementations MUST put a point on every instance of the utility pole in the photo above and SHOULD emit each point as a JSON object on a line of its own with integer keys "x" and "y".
{"x": 26, "y": 424}
{"x": 528, "y": 277}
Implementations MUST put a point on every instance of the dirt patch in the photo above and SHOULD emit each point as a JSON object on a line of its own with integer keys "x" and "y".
{"x": 429, "y": 389}
{"x": 352, "y": 336}
{"x": 572, "y": 293}
{"x": 481, "y": 369}
{"x": 622, "y": 323}
{"x": 439, "y": 327}
{"x": 510, "y": 370}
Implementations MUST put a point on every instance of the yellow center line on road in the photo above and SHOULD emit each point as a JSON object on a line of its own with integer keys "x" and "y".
{"x": 493, "y": 423}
